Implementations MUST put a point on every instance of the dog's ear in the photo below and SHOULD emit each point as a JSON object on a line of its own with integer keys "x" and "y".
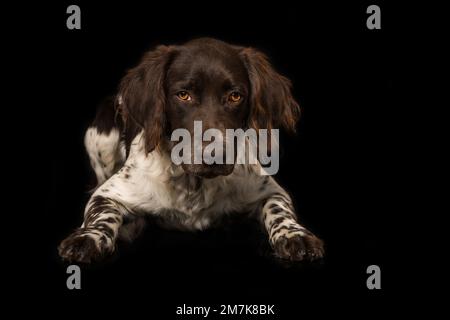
{"x": 271, "y": 102}
{"x": 142, "y": 99}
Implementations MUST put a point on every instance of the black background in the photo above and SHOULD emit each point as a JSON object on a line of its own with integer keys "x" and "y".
{"x": 337, "y": 168}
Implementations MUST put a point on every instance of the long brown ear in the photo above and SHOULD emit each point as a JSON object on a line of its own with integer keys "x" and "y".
{"x": 142, "y": 98}
{"x": 271, "y": 100}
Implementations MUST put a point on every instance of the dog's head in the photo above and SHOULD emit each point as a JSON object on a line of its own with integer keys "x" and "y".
{"x": 223, "y": 86}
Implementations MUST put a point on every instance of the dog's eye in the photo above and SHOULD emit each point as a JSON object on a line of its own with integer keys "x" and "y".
{"x": 183, "y": 95}
{"x": 234, "y": 97}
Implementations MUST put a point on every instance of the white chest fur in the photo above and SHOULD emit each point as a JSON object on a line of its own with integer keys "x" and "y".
{"x": 152, "y": 184}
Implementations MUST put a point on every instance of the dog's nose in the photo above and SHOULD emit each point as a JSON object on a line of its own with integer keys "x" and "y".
{"x": 209, "y": 158}
{"x": 211, "y": 149}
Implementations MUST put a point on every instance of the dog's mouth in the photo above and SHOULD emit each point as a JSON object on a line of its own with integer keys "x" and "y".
{"x": 208, "y": 171}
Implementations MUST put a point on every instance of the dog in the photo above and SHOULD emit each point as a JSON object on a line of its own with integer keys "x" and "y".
{"x": 224, "y": 86}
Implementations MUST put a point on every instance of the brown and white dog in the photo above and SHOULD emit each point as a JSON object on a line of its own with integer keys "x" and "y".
{"x": 225, "y": 87}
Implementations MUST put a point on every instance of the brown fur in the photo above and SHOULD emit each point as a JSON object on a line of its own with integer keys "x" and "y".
{"x": 271, "y": 103}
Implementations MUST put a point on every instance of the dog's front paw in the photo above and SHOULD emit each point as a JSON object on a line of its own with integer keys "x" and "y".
{"x": 298, "y": 245}
{"x": 83, "y": 247}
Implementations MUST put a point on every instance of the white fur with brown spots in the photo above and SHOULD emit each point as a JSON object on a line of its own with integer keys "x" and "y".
{"x": 150, "y": 184}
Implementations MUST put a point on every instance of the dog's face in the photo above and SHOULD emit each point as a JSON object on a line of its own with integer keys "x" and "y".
{"x": 207, "y": 83}
{"x": 223, "y": 86}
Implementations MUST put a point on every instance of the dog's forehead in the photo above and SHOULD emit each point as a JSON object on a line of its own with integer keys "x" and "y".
{"x": 206, "y": 61}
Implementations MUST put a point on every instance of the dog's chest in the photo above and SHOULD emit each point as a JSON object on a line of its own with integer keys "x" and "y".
{"x": 194, "y": 203}
{"x": 183, "y": 200}
{"x": 192, "y": 199}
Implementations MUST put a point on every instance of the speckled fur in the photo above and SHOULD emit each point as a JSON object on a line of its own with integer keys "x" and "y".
{"x": 150, "y": 184}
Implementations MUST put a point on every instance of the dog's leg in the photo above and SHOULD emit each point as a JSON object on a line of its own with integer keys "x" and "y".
{"x": 106, "y": 153}
{"x": 103, "y": 144}
{"x": 97, "y": 236}
{"x": 125, "y": 196}
{"x": 289, "y": 239}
